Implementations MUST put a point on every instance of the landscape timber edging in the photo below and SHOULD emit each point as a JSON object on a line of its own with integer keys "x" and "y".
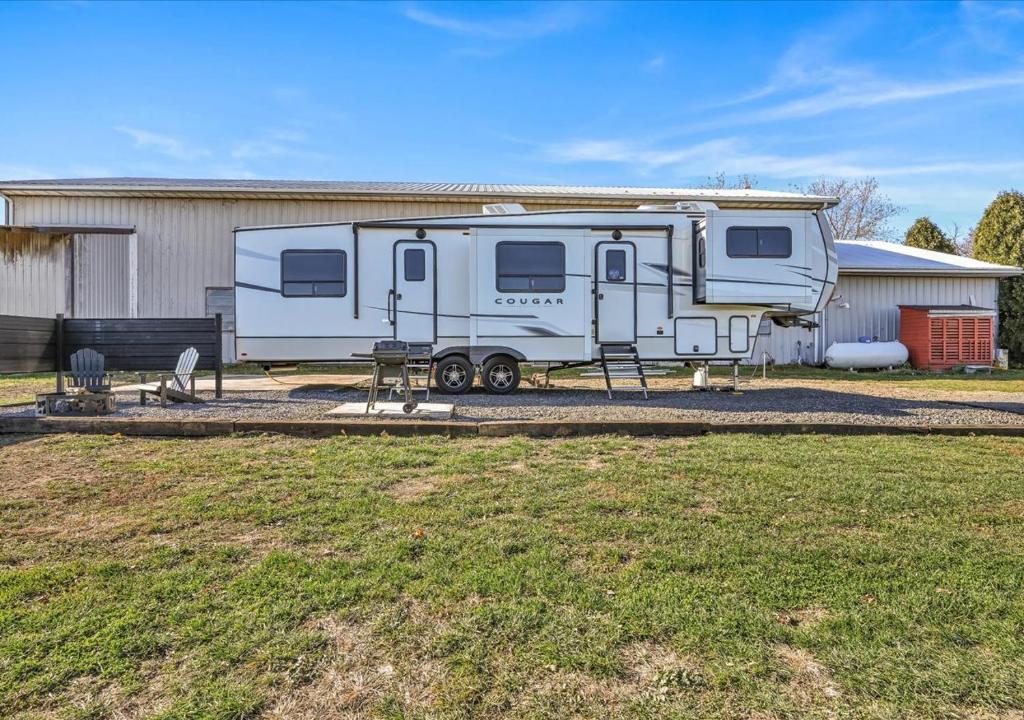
{"x": 529, "y": 428}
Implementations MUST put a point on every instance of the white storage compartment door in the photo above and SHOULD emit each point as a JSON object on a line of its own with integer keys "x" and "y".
{"x": 739, "y": 334}
{"x": 696, "y": 336}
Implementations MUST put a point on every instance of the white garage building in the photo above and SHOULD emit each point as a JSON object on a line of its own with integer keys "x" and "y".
{"x": 875, "y": 278}
{"x": 130, "y": 247}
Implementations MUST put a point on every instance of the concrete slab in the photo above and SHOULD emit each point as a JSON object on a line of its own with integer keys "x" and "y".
{"x": 435, "y": 411}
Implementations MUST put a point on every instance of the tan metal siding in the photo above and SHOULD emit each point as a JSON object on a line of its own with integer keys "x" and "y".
{"x": 101, "y": 276}
{"x": 186, "y": 245}
{"x": 874, "y": 311}
{"x": 33, "y": 285}
{"x": 874, "y": 302}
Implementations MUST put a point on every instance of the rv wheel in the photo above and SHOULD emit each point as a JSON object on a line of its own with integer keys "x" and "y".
{"x": 500, "y": 375}
{"x": 454, "y": 375}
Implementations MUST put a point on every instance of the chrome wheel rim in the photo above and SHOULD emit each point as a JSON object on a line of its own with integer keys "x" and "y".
{"x": 500, "y": 376}
{"x": 453, "y": 376}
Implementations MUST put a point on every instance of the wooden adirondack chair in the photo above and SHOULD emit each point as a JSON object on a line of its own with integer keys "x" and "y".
{"x": 87, "y": 374}
{"x": 178, "y": 386}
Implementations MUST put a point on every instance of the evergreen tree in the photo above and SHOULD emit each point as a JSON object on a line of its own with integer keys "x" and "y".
{"x": 926, "y": 235}
{"x": 999, "y": 238}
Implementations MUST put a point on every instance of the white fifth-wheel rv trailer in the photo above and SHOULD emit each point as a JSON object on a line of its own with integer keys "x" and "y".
{"x": 683, "y": 282}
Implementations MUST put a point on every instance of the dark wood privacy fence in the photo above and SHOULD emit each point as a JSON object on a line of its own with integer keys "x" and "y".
{"x": 44, "y": 344}
{"x": 28, "y": 344}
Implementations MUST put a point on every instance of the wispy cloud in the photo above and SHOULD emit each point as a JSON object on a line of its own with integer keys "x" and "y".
{"x": 22, "y": 172}
{"x": 548, "y": 19}
{"x": 866, "y": 93}
{"x": 811, "y": 78}
{"x": 164, "y": 144}
{"x": 656, "y": 63}
{"x": 738, "y": 156}
{"x": 275, "y": 143}
{"x": 993, "y": 26}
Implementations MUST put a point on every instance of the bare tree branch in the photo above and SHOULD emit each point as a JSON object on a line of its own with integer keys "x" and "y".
{"x": 863, "y": 212}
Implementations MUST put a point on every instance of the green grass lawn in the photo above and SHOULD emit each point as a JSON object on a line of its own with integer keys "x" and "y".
{"x": 725, "y": 576}
{"x": 19, "y": 389}
{"x": 956, "y": 379}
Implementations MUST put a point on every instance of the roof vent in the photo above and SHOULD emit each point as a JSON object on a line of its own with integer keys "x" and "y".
{"x": 504, "y": 209}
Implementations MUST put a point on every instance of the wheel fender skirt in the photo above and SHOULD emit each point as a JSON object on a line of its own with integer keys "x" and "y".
{"x": 478, "y": 354}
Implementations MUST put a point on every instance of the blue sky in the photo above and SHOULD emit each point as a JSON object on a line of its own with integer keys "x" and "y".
{"x": 929, "y": 97}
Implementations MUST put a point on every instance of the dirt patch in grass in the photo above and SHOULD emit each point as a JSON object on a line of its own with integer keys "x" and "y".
{"x": 413, "y": 488}
{"x": 806, "y": 618}
{"x": 811, "y": 681}
{"x": 654, "y": 674}
{"x": 358, "y": 672}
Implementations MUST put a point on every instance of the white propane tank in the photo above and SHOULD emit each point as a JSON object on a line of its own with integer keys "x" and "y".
{"x": 866, "y": 355}
{"x": 700, "y": 378}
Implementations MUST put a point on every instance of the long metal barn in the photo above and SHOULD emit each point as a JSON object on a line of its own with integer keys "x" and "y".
{"x": 128, "y": 247}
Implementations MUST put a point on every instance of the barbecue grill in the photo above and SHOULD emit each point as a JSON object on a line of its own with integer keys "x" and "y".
{"x": 391, "y": 369}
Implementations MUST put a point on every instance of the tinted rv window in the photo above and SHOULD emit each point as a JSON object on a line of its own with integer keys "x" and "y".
{"x": 530, "y": 266}
{"x": 771, "y": 242}
{"x": 415, "y": 265}
{"x": 313, "y": 273}
{"x": 615, "y": 266}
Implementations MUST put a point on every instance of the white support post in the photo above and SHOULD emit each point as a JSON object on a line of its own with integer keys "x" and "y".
{"x": 133, "y": 275}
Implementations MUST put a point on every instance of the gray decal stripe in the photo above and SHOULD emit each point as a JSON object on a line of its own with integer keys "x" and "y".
{"x": 420, "y": 312}
{"x": 536, "y": 330}
{"x": 756, "y": 282}
{"x": 256, "y": 287}
{"x": 499, "y": 315}
{"x": 663, "y": 268}
{"x": 254, "y": 254}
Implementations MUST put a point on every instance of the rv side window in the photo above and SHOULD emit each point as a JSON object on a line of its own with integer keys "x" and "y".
{"x": 615, "y": 266}
{"x": 751, "y": 242}
{"x": 313, "y": 273}
{"x": 415, "y": 265}
{"x": 530, "y": 266}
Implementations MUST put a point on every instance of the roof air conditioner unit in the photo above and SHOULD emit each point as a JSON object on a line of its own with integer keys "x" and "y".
{"x": 504, "y": 209}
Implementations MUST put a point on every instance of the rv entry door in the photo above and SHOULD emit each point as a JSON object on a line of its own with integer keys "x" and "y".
{"x": 413, "y": 298}
{"x": 615, "y": 286}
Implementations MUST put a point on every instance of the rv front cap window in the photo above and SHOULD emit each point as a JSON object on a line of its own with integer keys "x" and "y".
{"x": 313, "y": 273}
{"x": 530, "y": 266}
{"x": 752, "y": 242}
{"x": 415, "y": 260}
{"x": 615, "y": 266}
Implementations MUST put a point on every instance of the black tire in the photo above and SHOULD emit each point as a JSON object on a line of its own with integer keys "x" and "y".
{"x": 453, "y": 375}
{"x": 500, "y": 375}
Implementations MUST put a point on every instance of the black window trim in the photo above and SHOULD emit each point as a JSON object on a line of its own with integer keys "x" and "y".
{"x": 758, "y": 228}
{"x": 405, "y": 264}
{"x": 622, "y": 252}
{"x": 322, "y": 251}
{"x": 498, "y": 275}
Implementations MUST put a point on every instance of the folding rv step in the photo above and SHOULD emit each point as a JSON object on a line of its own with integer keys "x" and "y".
{"x": 622, "y": 362}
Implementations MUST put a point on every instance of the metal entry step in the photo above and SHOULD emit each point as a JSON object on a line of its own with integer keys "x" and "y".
{"x": 620, "y": 363}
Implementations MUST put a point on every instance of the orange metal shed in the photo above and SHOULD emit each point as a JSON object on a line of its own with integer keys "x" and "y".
{"x": 944, "y": 336}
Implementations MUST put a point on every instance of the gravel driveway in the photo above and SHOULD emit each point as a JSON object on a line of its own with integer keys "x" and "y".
{"x": 759, "y": 402}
